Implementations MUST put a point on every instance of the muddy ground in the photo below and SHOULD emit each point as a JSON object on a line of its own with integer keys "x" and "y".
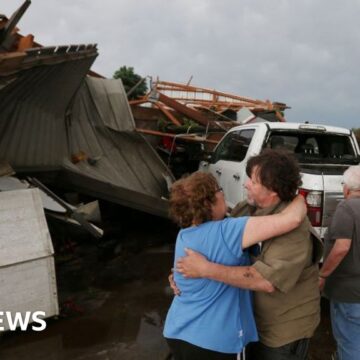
{"x": 114, "y": 296}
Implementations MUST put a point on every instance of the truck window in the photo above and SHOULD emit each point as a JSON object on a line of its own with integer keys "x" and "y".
{"x": 282, "y": 142}
{"x": 314, "y": 148}
{"x": 235, "y": 146}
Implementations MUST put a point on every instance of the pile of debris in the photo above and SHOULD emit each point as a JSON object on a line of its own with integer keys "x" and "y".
{"x": 189, "y": 120}
{"x": 70, "y": 127}
{"x": 64, "y": 128}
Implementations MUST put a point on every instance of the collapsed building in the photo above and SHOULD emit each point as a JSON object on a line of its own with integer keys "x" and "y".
{"x": 184, "y": 122}
{"x": 67, "y": 125}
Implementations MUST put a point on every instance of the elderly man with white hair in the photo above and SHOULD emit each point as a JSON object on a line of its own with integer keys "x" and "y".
{"x": 340, "y": 273}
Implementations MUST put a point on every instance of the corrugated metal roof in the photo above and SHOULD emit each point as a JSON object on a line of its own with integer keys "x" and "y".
{"x": 111, "y": 103}
{"x": 33, "y": 111}
{"x": 123, "y": 158}
{"x": 49, "y": 113}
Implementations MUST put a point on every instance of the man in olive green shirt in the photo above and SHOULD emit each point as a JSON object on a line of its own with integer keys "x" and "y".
{"x": 284, "y": 274}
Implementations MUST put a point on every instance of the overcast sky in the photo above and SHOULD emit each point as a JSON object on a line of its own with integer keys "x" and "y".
{"x": 304, "y": 53}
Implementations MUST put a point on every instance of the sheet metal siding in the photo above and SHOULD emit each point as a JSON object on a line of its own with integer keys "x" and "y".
{"x": 107, "y": 191}
{"x": 29, "y": 286}
{"x": 27, "y": 271}
{"x": 51, "y": 112}
{"x": 125, "y": 159}
{"x": 111, "y": 103}
{"x": 32, "y": 117}
{"x": 39, "y": 141}
{"x": 24, "y": 234}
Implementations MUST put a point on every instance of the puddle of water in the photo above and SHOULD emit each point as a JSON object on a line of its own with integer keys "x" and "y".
{"x": 117, "y": 312}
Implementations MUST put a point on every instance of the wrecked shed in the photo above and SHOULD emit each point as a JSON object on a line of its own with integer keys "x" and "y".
{"x": 76, "y": 130}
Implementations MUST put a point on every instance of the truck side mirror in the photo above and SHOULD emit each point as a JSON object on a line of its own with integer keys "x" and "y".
{"x": 209, "y": 157}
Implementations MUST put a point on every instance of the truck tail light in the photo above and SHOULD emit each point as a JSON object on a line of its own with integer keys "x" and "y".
{"x": 314, "y": 203}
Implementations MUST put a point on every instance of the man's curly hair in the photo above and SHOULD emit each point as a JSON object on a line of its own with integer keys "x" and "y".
{"x": 191, "y": 199}
{"x": 278, "y": 171}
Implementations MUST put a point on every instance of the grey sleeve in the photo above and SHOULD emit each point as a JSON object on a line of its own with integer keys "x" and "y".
{"x": 343, "y": 222}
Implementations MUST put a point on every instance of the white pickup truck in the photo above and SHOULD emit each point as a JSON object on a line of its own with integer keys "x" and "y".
{"x": 323, "y": 152}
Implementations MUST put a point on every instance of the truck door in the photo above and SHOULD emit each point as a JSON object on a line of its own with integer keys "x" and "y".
{"x": 229, "y": 164}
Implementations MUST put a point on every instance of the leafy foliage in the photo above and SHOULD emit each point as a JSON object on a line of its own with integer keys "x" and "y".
{"x": 130, "y": 79}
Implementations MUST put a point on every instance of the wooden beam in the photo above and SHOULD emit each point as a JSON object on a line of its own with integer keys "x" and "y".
{"x": 187, "y": 137}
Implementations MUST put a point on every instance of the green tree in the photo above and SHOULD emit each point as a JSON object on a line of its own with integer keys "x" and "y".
{"x": 130, "y": 79}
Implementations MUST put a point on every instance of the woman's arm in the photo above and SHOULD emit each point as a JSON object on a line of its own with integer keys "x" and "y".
{"x": 262, "y": 228}
{"x": 195, "y": 265}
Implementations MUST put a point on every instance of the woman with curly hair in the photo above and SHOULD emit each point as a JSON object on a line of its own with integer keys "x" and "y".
{"x": 212, "y": 320}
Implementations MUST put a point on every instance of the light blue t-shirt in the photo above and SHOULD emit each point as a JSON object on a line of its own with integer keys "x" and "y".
{"x": 208, "y": 313}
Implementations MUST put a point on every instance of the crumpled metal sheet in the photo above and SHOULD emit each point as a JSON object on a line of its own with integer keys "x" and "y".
{"x": 52, "y": 112}
{"x": 33, "y": 109}
{"x": 118, "y": 163}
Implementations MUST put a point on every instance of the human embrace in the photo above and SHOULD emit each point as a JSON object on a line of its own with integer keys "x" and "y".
{"x": 213, "y": 317}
